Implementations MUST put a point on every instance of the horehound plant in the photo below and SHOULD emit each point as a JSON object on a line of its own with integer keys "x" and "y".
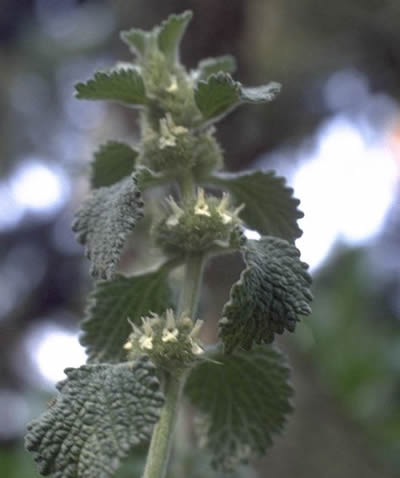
{"x": 145, "y": 356}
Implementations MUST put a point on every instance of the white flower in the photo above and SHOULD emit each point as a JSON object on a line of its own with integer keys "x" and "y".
{"x": 169, "y": 131}
{"x": 145, "y": 342}
{"x": 201, "y": 207}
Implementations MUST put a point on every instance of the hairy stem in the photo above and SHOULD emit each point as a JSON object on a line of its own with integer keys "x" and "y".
{"x": 161, "y": 441}
{"x": 187, "y": 186}
{"x": 191, "y": 285}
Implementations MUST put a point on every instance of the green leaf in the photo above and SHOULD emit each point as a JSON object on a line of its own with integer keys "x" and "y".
{"x": 124, "y": 86}
{"x": 104, "y": 221}
{"x": 271, "y": 293}
{"x": 137, "y": 39}
{"x": 209, "y": 66}
{"x": 113, "y": 162}
{"x": 170, "y": 34}
{"x": 219, "y": 94}
{"x": 270, "y": 207}
{"x": 242, "y": 400}
{"x": 111, "y": 303}
{"x": 102, "y": 411}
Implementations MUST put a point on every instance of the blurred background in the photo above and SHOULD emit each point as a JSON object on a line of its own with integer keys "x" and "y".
{"x": 334, "y": 132}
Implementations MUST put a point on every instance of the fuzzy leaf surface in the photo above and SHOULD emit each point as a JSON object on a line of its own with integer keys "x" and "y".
{"x": 242, "y": 400}
{"x": 170, "y": 34}
{"x": 137, "y": 39}
{"x": 113, "y": 161}
{"x": 220, "y": 93}
{"x": 270, "y": 207}
{"x": 209, "y": 66}
{"x": 124, "y": 86}
{"x": 106, "y": 327}
{"x": 104, "y": 221}
{"x": 101, "y": 412}
{"x": 271, "y": 294}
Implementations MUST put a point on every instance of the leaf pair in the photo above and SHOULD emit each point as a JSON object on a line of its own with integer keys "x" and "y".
{"x": 104, "y": 410}
{"x": 242, "y": 393}
{"x": 215, "y": 91}
{"x": 215, "y": 96}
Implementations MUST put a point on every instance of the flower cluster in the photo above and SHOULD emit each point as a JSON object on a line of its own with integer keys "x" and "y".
{"x": 201, "y": 225}
{"x": 170, "y": 342}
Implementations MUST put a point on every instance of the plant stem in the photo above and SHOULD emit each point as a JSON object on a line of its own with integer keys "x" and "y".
{"x": 191, "y": 285}
{"x": 161, "y": 441}
{"x": 162, "y": 438}
{"x": 187, "y": 187}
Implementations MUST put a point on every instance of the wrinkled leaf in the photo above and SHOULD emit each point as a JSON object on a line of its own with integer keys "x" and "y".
{"x": 123, "y": 85}
{"x": 104, "y": 221}
{"x": 106, "y": 327}
{"x": 219, "y": 94}
{"x": 242, "y": 400}
{"x": 209, "y": 66}
{"x": 171, "y": 32}
{"x": 270, "y": 207}
{"x": 113, "y": 162}
{"x": 102, "y": 411}
{"x": 271, "y": 294}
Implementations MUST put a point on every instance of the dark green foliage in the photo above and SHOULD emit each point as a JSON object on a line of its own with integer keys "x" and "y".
{"x": 111, "y": 303}
{"x": 217, "y": 95}
{"x": 220, "y": 93}
{"x": 242, "y": 400}
{"x": 113, "y": 161}
{"x": 271, "y": 294}
{"x": 270, "y": 207}
{"x": 104, "y": 221}
{"x": 102, "y": 411}
{"x": 125, "y": 86}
